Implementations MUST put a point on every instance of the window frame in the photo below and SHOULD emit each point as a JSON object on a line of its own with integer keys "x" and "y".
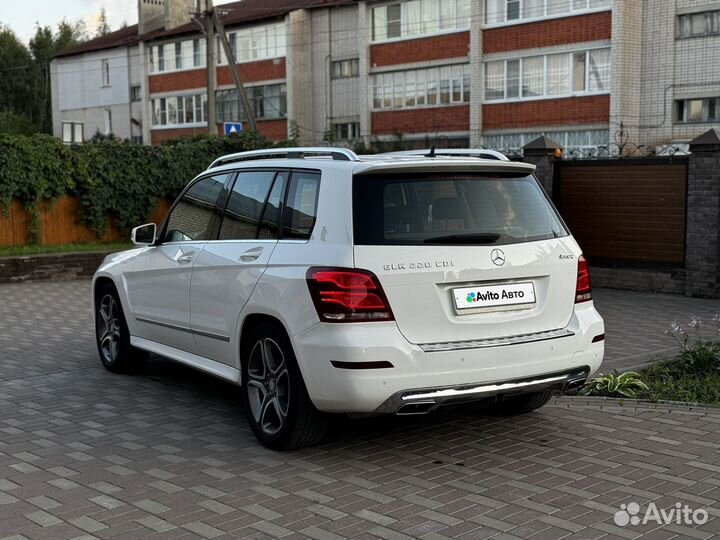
{"x": 165, "y": 113}
{"x": 224, "y": 197}
{"x": 403, "y": 25}
{"x": 231, "y": 186}
{"x": 522, "y": 19}
{"x": 427, "y": 82}
{"x": 73, "y": 128}
{"x": 683, "y": 105}
{"x": 707, "y": 14}
{"x": 217, "y": 209}
{"x": 105, "y": 73}
{"x": 586, "y": 52}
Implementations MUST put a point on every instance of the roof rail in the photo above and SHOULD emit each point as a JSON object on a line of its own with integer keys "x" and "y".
{"x": 482, "y": 153}
{"x": 338, "y": 154}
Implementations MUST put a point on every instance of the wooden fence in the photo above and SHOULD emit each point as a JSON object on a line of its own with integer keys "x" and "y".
{"x": 60, "y": 224}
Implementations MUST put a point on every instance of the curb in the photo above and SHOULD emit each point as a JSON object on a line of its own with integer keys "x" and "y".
{"x": 51, "y": 267}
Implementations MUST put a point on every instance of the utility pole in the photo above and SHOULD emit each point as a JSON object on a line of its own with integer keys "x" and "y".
{"x": 243, "y": 102}
{"x": 211, "y": 66}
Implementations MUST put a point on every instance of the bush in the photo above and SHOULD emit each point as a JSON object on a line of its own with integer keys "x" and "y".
{"x": 110, "y": 177}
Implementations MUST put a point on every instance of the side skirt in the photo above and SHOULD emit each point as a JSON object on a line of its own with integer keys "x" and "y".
{"x": 218, "y": 369}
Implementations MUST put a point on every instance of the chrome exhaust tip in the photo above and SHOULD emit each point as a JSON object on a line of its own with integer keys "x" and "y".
{"x": 419, "y": 407}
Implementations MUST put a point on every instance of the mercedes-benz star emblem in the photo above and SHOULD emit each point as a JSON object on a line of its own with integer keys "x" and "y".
{"x": 497, "y": 257}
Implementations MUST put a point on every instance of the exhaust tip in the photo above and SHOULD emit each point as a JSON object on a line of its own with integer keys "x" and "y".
{"x": 420, "y": 407}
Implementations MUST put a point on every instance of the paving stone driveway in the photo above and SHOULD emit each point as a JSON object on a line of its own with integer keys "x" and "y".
{"x": 167, "y": 454}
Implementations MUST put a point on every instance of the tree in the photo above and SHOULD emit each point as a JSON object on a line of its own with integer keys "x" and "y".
{"x": 103, "y": 27}
{"x": 25, "y": 74}
{"x": 16, "y": 76}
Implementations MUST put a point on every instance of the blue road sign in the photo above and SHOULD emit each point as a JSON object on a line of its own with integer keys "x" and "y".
{"x": 232, "y": 127}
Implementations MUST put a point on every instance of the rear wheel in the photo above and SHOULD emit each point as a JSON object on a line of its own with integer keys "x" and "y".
{"x": 522, "y": 404}
{"x": 277, "y": 404}
{"x": 112, "y": 334}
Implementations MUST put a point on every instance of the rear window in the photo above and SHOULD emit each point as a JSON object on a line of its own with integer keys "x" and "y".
{"x": 452, "y": 209}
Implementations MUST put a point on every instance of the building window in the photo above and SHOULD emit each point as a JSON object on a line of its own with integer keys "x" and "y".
{"x": 418, "y": 17}
{"x": 509, "y": 11}
{"x": 105, "y": 69}
{"x": 107, "y": 115}
{"x": 198, "y": 54}
{"x": 422, "y": 87}
{"x": 233, "y": 44}
{"x": 697, "y": 110}
{"x": 72, "y": 132}
{"x": 267, "y": 102}
{"x": 180, "y": 110}
{"x": 257, "y": 43}
{"x": 346, "y": 131}
{"x": 135, "y": 94}
{"x": 587, "y": 141}
{"x": 136, "y": 139}
{"x": 178, "y": 55}
{"x": 705, "y": 23}
{"x": 563, "y": 74}
{"x": 160, "y": 58}
{"x": 342, "y": 69}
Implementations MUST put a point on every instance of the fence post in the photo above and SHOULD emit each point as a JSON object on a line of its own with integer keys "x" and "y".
{"x": 702, "y": 236}
{"x": 542, "y": 152}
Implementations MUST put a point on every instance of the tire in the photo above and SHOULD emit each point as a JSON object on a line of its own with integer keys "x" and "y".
{"x": 276, "y": 402}
{"x": 111, "y": 333}
{"x": 522, "y": 404}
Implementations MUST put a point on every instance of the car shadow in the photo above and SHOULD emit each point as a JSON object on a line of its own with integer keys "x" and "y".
{"x": 439, "y": 426}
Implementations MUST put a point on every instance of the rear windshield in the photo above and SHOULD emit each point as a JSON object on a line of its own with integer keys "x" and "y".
{"x": 415, "y": 209}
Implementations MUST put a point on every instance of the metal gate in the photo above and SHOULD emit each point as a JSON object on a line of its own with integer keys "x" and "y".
{"x": 628, "y": 210}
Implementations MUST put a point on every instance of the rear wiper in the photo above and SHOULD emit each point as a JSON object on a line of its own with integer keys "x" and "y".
{"x": 470, "y": 238}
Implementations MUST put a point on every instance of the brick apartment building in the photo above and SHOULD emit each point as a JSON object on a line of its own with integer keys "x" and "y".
{"x": 493, "y": 73}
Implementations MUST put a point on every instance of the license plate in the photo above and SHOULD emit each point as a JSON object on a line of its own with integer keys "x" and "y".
{"x": 489, "y": 296}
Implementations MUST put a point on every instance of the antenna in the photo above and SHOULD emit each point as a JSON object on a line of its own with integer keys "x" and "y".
{"x": 432, "y": 152}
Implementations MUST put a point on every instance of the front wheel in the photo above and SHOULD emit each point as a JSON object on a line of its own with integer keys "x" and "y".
{"x": 112, "y": 334}
{"x": 523, "y": 403}
{"x": 277, "y": 404}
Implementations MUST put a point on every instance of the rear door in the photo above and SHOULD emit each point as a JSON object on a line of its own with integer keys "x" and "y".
{"x": 227, "y": 270}
{"x": 465, "y": 256}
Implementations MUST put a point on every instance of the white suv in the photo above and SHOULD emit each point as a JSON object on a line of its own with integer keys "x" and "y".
{"x": 323, "y": 282}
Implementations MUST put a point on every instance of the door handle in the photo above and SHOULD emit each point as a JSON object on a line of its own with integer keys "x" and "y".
{"x": 184, "y": 259}
{"x": 251, "y": 254}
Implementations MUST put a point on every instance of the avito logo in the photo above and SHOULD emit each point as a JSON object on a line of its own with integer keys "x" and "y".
{"x": 505, "y": 295}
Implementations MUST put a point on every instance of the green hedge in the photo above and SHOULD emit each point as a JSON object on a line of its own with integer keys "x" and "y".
{"x": 110, "y": 177}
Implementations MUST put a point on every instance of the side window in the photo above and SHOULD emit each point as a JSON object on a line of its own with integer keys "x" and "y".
{"x": 270, "y": 222}
{"x": 245, "y": 205}
{"x": 194, "y": 216}
{"x": 301, "y": 209}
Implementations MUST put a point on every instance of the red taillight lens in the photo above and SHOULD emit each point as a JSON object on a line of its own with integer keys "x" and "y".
{"x": 583, "y": 289}
{"x": 343, "y": 295}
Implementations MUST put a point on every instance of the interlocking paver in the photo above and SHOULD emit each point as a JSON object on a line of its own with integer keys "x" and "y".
{"x": 167, "y": 453}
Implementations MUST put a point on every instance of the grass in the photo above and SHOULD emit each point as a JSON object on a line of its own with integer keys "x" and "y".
{"x": 673, "y": 381}
{"x": 19, "y": 251}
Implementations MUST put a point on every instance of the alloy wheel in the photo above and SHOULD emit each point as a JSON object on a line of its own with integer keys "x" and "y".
{"x": 108, "y": 330}
{"x": 268, "y": 386}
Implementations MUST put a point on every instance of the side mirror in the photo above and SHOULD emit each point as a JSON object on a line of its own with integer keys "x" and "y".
{"x": 144, "y": 235}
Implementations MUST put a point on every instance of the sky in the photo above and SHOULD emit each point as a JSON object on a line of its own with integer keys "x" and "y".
{"x": 23, "y": 20}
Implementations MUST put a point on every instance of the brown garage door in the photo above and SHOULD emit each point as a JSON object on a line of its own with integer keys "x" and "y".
{"x": 625, "y": 210}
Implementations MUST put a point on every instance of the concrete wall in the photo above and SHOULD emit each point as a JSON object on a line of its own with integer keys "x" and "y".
{"x": 674, "y": 69}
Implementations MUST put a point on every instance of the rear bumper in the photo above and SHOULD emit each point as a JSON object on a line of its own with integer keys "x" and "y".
{"x": 458, "y": 374}
{"x": 423, "y": 400}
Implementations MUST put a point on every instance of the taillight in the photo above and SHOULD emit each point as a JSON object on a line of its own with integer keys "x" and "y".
{"x": 583, "y": 288}
{"x": 342, "y": 295}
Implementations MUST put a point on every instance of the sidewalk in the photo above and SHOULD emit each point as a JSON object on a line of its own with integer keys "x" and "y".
{"x": 635, "y": 324}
